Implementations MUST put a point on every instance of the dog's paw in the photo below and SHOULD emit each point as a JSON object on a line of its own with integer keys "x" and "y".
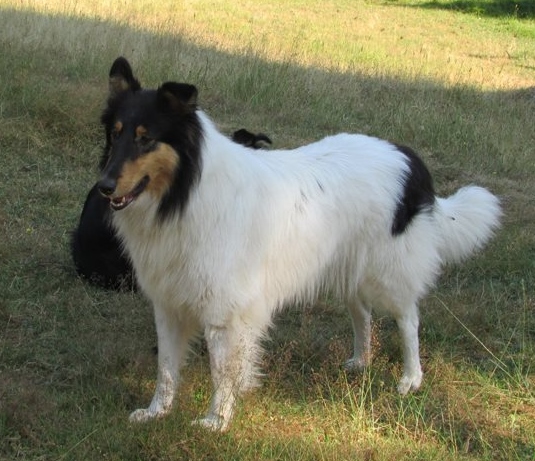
{"x": 355, "y": 364}
{"x": 212, "y": 423}
{"x": 410, "y": 383}
{"x": 143, "y": 415}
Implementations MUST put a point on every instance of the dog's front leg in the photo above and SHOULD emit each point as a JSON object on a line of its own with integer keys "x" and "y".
{"x": 227, "y": 357}
{"x": 174, "y": 335}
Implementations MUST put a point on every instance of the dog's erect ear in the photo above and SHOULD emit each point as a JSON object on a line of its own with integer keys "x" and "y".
{"x": 178, "y": 98}
{"x": 122, "y": 78}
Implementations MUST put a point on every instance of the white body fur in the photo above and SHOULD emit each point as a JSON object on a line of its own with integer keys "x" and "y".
{"x": 262, "y": 229}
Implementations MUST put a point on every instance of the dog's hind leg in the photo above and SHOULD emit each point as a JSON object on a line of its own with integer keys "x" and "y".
{"x": 361, "y": 321}
{"x": 412, "y": 370}
{"x": 174, "y": 335}
{"x": 233, "y": 350}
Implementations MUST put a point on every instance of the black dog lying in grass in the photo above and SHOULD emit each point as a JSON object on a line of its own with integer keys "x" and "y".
{"x": 95, "y": 248}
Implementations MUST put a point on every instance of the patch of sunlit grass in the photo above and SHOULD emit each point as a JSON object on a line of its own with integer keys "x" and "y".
{"x": 345, "y": 36}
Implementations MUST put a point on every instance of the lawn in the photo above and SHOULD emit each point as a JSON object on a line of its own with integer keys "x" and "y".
{"x": 454, "y": 80}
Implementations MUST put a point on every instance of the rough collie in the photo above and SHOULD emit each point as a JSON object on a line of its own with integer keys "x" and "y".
{"x": 221, "y": 237}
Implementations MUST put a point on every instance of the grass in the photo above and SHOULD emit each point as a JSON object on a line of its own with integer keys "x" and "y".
{"x": 457, "y": 84}
{"x": 495, "y": 8}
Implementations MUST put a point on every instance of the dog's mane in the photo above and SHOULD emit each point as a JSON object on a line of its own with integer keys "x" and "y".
{"x": 187, "y": 140}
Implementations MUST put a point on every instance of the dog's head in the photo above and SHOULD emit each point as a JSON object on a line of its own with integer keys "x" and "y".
{"x": 153, "y": 141}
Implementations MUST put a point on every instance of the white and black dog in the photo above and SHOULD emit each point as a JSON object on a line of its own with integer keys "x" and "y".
{"x": 222, "y": 237}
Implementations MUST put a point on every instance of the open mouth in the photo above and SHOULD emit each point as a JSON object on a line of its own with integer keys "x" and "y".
{"x": 120, "y": 203}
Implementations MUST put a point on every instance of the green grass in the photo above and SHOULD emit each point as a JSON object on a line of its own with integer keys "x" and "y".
{"x": 518, "y": 9}
{"x": 459, "y": 88}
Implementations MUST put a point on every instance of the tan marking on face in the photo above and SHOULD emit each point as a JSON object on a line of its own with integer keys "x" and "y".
{"x": 141, "y": 131}
{"x": 118, "y": 127}
{"x": 159, "y": 165}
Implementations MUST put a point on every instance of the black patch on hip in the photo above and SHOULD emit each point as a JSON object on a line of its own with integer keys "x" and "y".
{"x": 418, "y": 192}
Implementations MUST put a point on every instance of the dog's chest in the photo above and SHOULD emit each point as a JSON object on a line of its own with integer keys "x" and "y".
{"x": 172, "y": 264}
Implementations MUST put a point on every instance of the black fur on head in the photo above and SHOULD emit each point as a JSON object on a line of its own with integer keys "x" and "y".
{"x": 121, "y": 80}
{"x": 169, "y": 117}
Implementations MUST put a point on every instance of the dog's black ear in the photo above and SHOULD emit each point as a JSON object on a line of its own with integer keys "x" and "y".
{"x": 122, "y": 78}
{"x": 177, "y": 97}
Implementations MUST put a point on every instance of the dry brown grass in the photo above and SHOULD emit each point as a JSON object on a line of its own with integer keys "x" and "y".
{"x": 344, "y": 36}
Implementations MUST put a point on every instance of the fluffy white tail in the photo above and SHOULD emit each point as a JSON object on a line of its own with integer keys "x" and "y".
{"x": 467, "y": 220}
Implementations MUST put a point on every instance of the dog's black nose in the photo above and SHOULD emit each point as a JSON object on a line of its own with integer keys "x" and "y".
{"x": 106, "y": 186}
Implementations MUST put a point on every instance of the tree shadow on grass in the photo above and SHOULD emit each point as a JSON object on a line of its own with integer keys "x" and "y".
{"x": 520, "y": 9}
